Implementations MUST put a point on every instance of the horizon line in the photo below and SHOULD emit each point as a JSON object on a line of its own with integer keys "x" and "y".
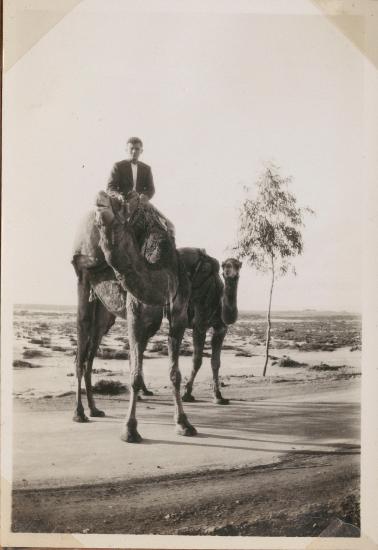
{"x": 302, "y": 309}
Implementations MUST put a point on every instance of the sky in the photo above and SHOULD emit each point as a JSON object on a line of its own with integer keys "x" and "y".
{"x": 213, "y": 96}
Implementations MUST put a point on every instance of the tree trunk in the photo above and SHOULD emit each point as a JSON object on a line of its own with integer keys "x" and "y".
{"x": 268, "y": 321}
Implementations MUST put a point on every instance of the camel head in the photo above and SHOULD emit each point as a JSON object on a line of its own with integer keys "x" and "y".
{"x": 109, "y": 207}
{"x": 231, "y": 268}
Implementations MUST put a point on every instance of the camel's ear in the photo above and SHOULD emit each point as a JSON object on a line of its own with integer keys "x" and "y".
{"x": 102, "y": 199}
{"x": 239, "y": 264}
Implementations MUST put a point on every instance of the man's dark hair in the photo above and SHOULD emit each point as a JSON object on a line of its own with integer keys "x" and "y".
{"x": 135, "y": 141}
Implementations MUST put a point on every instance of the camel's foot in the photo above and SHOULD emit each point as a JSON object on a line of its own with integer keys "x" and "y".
{"x": 80, "y": 417}
{"x": 188, "y": 431}
{"x": 131, "y": 436}
{"x": 188, "y": 397}
{"x": 97, "y": 412}
{"x": 221, "y": 401}
{"x": 148, "y": 392}
{"x": 184, "y": 427}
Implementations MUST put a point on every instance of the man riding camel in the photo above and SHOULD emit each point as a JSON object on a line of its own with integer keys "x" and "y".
{"x": 131, "y": 174}
{"x": 131, "y": 180}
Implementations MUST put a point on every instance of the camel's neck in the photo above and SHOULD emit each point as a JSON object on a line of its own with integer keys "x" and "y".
{"x": 148, "y": 284}
{"x": 229, "y": 300}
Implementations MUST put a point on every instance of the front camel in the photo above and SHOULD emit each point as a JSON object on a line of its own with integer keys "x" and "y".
{"x": 111, "y": 265}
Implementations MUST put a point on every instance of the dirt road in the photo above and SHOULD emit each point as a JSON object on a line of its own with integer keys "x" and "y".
{"x": 277, "y": 462}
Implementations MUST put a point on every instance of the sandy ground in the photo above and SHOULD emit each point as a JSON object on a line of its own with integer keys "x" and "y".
{"x": 73, "y": 464}
{"x": 281, "y": 460}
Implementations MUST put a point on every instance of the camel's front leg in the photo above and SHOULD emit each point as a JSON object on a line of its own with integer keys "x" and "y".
{"x": 199, "y": 337}
{"x": 130, "y": 433}
{"x": 79, "y": 414}
{"x": 219, "y": 333}
{"x": 183, "y": 426}
{"x": 136, "y": 341}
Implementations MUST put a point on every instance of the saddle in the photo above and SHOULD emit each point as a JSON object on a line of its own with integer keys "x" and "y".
{"x": 199, "y": 266}
{"x": 153, "y": 232}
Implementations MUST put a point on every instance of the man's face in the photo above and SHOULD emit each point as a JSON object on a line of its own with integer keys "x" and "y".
{"x": 134, "y": 150}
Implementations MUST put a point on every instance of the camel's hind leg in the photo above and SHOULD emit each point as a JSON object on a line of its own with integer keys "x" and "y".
{"x": 146, "y": 391}
{"x": 199, "y": 337}
{"x": 93, "y": 321}
{"x": 102, "y": 321}
{"x": 219, "y": 332}
{"x": 143, "y": 321}
{"x": 84, "y": 319}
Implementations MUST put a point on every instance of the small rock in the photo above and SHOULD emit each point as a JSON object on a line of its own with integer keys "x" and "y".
{"x": 85, "y": 531}
{"x": 339, "y": 528}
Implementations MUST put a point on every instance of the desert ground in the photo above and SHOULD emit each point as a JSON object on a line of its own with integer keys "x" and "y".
{"x": 282, "y": 459}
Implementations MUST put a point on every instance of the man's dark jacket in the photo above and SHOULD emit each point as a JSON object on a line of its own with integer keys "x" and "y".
{"x": 121, "y": 179}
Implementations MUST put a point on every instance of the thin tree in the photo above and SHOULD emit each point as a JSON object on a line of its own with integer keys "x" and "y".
{"x": 269, "y": 231}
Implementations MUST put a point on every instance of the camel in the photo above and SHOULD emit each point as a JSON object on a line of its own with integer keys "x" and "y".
{"x": 213, "y": 305}
{"x": 109, "y": 259}
{"x": 126, "y": 270}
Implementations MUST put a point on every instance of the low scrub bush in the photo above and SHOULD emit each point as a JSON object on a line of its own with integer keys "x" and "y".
{"x": 288, "y": 362}
{"x": 110, "y": 387}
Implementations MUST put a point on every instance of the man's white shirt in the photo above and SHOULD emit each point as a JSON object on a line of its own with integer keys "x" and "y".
{"x": 134, "y": 168}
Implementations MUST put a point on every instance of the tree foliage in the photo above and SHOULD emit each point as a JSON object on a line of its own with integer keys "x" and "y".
{"x": 270, "y": 224}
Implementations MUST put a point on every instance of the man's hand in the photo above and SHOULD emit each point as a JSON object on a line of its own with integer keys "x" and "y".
{"x": 143, "y": 198}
